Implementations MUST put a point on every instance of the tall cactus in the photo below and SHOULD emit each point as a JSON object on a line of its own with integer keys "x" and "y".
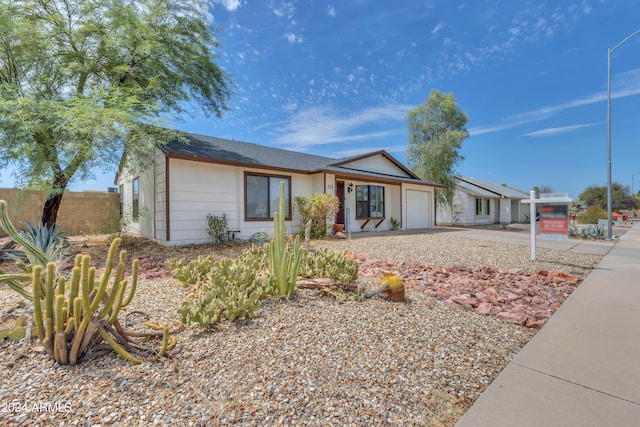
{"x": 284, "y": 263}
{"x": 75, "y": 313}
{"x": 72, "y": 315}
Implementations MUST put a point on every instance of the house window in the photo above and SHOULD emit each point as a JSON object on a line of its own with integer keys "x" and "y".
{"x": 135, "y": 213}
{"x": 482, "y": 207}
{"x": 262, "y": 196}
{"x": 369, "y": 201}
{"x": 121, "y": 194}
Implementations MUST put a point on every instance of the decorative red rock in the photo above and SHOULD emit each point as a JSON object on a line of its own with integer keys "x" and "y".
{"x": 516, "y": 296}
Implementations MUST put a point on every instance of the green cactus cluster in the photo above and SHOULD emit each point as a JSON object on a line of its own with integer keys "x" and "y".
{"x": 193, "y": 273}
{"x": 233, "y": 290}
{"x": 330, "y": 264}
{"x": 284, "y": 262}
{"x": 73, "y": 315}
{"x": 78, "y": 310}
{"x": 13, "y": 327}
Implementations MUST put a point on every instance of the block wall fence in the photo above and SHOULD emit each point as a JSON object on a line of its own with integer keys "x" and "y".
{"x": 90, "y": 212}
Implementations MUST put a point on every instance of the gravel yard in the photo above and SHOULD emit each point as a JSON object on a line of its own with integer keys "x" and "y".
{"x": 311, "y": 360}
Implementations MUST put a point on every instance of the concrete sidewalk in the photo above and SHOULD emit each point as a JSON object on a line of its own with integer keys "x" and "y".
{"x": 572, "y": 245}
{"x": 583, "y": 367}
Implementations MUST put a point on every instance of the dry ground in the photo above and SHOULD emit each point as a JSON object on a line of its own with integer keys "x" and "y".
{"x": 311, "y": 360}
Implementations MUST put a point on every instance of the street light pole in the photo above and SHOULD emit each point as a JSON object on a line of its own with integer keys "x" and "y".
{"x": 609, "y": 212}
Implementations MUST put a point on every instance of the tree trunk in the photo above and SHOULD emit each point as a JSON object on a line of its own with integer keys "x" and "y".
{"x": 51, "y": 206}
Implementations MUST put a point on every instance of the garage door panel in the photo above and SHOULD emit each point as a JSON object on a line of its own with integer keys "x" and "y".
{"x": 418, "y": 209}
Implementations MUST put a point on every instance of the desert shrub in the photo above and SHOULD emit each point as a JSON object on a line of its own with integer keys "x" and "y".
{"x": 217, "y": 228}
{"x": 592, "y": 215}
{"x": 319, "y": 209}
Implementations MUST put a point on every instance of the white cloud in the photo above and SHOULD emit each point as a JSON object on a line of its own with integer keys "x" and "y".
{"x": 558, "y": 130}
{"x": 624, "y": 84}
{"x": 286, "y": 10}
{"x": 320, "y": 125}
{"x": 438, "y": 27}
{"x": 230, "y": 5}
{"x": 331, "y": 11}
{"x": 293, "y": 38}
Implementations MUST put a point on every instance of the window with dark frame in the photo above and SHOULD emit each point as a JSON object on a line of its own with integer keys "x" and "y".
{"x": 369, "y": 201}
{"x": 482, "y": 207}
{"x": 262, "y": 196}
{"x": 135, "y": 213}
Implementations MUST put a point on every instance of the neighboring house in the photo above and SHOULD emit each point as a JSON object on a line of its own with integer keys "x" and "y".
{"x": 169, "y": 201}
{"x": 482, "y": 202}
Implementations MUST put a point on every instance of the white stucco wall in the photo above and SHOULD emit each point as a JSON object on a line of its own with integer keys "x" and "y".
{"x": 197, "y": 189}
{"x": 463, "y": 211}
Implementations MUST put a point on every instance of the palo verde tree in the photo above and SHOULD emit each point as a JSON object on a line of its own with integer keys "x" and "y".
{"x": 82, "y": 81}
{"x": 436, "y": 132}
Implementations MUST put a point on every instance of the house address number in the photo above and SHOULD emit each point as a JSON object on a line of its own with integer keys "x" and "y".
{"x": 329, "y": 186}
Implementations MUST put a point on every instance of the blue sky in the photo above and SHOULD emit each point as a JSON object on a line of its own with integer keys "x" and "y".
{"x": 337, "y": 79}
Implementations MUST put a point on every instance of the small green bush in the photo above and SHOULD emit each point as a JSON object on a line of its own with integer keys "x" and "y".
{"x": 320, "y": 209}
{"x": 217, "y": 227}
{"x": 592, "y": 215}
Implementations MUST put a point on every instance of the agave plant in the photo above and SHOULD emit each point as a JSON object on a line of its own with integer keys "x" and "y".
{"x": 51, "y": 241}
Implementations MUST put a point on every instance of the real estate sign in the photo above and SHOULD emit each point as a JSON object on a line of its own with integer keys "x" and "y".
{"x": 554, "y": 222}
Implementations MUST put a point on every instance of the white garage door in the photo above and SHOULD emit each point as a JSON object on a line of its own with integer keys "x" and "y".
{"x": 418, "y": 209}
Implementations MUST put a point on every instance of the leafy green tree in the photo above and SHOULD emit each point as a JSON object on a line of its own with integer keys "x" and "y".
{"x": 82, "y": 81}
{"x": 621, "y": 197}
{"x": 436, "y": 132}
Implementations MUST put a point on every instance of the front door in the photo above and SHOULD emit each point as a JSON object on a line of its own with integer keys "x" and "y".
{"x": 340, "y": 196}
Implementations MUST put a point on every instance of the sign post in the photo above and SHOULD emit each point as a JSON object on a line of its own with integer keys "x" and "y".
{"x": 554, "y": 217}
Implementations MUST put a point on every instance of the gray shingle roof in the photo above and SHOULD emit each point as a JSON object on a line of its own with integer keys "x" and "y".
{"x": 475, "y": 190}
{"x": 498, "y": 189}
{"x": 245, "y": 153}
{"x": 226, "y": 150}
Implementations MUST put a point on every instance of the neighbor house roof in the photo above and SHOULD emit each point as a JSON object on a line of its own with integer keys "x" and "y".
{"x": 474, "y": 190}
{"x": 496, "y": 189}
{"x": 239, "y": 153}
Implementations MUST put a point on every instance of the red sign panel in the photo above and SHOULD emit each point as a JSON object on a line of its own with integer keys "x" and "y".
{"x": 554, "y": 220}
